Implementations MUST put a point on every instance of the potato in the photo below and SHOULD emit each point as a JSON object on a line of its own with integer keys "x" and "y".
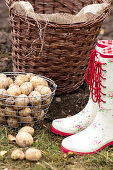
{"x": 27, "y": 129}
{"x": 33, "y": 154}
{"x": 21, "y": 101}
{"x": 27, "y": 121}
{"x": 17, "y": 154}
{"x": 10, "y": 80}
{"x": 43, "y": 90}
{"x": 14, "y": 90}
{"x": 35, "y": 110}
{"x": 11, "y": 138}
{"x": 2, "y": 76}
{"x": 9, "y": 101}
{"x": 4, "y": 83}
{"x": 46, "y": 103}
{"x": 13, "y": 84}
{"x": 40, "y": 116}
{"x": 35, "y": 81}
{"x": 26, "y": 88}
{"x": 35, "y": 98}
{"x": 9, "y": 111}
{"x": 12, "y": 122}
{"x": 25, "y": 112}
{"x": 2, "y": 116}
{"x": 29, "y": 75}
{"x": 1, "y": 104}
{"x": 46, "y": 91}
{"x": 20, "y": 79}
{"x": 3, "y": 93}
{"x": 24, "y": 139}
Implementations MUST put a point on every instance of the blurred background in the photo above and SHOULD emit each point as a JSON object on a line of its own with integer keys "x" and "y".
{"x": 65, "y": 105}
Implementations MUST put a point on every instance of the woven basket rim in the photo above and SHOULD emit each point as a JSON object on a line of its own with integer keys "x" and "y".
{"x": 76, "y": 25}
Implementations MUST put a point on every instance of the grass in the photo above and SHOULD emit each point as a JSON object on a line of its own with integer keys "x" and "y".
{"x": 53, "y": 158}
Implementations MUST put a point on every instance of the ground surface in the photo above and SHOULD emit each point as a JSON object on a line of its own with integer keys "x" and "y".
{"x": 64, "y": 105}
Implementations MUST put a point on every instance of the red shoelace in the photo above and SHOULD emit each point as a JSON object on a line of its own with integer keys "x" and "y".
{"x": 93, "y": 77}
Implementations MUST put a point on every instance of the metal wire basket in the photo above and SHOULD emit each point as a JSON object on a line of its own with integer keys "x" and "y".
{"x": 19, "y": 111}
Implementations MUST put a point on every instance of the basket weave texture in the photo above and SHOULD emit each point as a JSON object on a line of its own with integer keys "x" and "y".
{"x": 66, "y": 49}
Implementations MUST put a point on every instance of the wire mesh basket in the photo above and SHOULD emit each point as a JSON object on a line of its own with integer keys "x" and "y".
{"x": 24, "y": 110}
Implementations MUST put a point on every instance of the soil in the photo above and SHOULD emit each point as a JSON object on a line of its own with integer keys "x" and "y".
{"x": 61, "y": 106}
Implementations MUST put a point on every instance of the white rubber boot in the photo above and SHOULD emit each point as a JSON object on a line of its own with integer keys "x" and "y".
{"x": 71, "y": 125}
{"x": 99, "y": 133}
{"x": 74, "y": 124}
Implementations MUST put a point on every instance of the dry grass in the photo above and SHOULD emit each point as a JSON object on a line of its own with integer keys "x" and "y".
{"x": 53, "y": 158}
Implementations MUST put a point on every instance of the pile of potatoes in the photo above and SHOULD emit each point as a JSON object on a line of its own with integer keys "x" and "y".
{"x": 23, "y": 99}
{"x": 24, "y": 139}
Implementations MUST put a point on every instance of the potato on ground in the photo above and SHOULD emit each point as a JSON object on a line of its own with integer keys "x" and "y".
{"x": 12, "y": 122}
{"x": 21, "y": 101}
{"x": 14, "y": 90}
{"x": 20, "y": 79}
{"x": 11, "y": 138}
{"x": 9, "y": 111}
{"x": 35, "y": 98}
{"x": 25, "y": 112}
{"x": 33, "y": 154}
{"x": 24, "y": 139}
{"x": 3, "y": 93}
{"x": 26, "y": 88}
{"x": 36, "y": 80}
{"x": 27, "y": 129}
{"x": 17, "y": 154}
{"x": 27, "y": 120}
{"x": 4, "y": 83}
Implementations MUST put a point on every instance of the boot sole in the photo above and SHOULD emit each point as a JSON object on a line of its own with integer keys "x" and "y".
{"x": 57, "y": 132}
{"x": 85, "y": 153}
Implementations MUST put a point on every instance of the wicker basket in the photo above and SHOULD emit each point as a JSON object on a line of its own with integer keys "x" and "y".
{"x": 24, "y": 110}
{"x": 66, "y": 48}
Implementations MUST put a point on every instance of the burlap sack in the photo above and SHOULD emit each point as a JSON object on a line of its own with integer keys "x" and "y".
{"x": 86, "y": 14}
